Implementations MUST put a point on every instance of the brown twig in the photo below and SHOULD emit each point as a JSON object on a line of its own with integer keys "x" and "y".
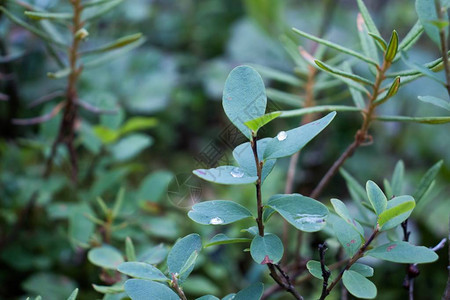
{"x": 177, "y": 288}
{"x": 40, "y": 119}
{"x": 46, "y": 98}
{"x": 444, "y": 46}
{"x": 325, "y": 273}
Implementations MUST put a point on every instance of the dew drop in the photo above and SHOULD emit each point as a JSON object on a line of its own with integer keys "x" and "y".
{"x": 216, "y": 221}
{"x": 281, "y": 136}
{"x": 237, "y": 173}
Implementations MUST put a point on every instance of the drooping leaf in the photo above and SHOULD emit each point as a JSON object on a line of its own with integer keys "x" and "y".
{"x": 362, "y": 269}
{"x": 259, "y": 122}
{"x": 253, "y": 292}
{"x": 338, "y": 72}
{"x": 218, "y": 212}
{"x": 139, "y": 289}
{"x": 304, "y": 213}
{"x": 289, "y": 142}
{"x": 244, "y": 97}
{"x": 435, "y": 101}
{"x": 106, "y": 257}
{"x": 243, "y": 154}
{"x": 403, "y": 252}
{"x": 266, "y": 249}
{"x": 142, "y": 270}
{"x": 225, "y": 175}
{"x": 376, "y": 197}
{"x": 181, "y": 252}
{"x": 347, "y": 235}
{"x": 315, "y": 269}
{"x": 222, "y": 239}
{"x": 335, "y": 46}
{"x": 358, "y": 285}
{"x": 397, "y": 210}
{"x": 426, "y": 10}
{"x": 427, "y": 180}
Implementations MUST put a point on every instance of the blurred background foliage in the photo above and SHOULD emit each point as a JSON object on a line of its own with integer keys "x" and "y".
{"x": 170, "y": 120}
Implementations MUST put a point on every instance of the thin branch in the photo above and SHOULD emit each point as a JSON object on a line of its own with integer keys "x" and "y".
{"x": 96, "y": 110}
{"x": 46, "y": 98}
{"x": 325, "y": 273}
{"x": 177, "y": 288}
{"x": 444, "y": 46}
{"x": 41, "y": 119}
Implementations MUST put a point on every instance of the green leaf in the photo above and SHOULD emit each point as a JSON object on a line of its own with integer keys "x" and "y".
{"x": 285, "y": 98}
{"x": 109, "y": 289}
{"x": 411, "y": 37}
{"x": 358, "y": 285}
{"x": 33, "y": 29}
{"x": 426, "y": 10}
{"x": 139, "y": 289}
{"x": 342, "y": 211}
{"x": 129, "y": 249}
{"x": 106, "y": 257}
{"x": 392, "y": 47}
{"x": 423, "y": 120}
{"x": 367, "y": 42}
{"x": 398, "y": 210}
{"x": 74, "y": 295}
{"x": 435, "y": 66}
{"x": 153, "y": 187}
{"x": 435, "y": 101}
{"x": 94, "y": 12}
{"x": 403, "y": 252}
{"x": 267, "y": 249}
{"x": 278, "y": 75}
{"x": 335, "y": 46}
{"x": 304, "y": 213}
{"x": 137, "y": 123}
{"x": 338, "y": 72}
{"x": 362, "y": 269}
{"x": 244, "y": 97}
{"x": 218, "y": 212}
{"x": 422, "y": 69}
{"x": 379, "y": 40}
{"x": 130, "y": 146}
{"x": 376, "y": 197}
{"x": 427, "y": 180}
{"x": 48, "y": 16}
{"x": 315, "y": 269}
{"x": 397, "y": 178}
{"x": 229, "y": 297}
{"x": 368, "y": 19}
{"x": 142, "y": 270}
{"x": 289, "y": 142}
{"x": 243, "y": 154}
{"x": 347, "y": 235}
{"x": 393, "y": 89}
{"x": 222, "y": 239}
{"x": 118, "y": 203}
{"x": 259, "y": 122}
{"x": 356, "y": 93}
{"x": 317, "y": 109}
{"x": 225, "y": 175}
{"x": 208, "y": 297}
{"x": 253, "y": 292}
{"x": 154, "y": 255}
{"x": 181, "y": 252}
{"x": 119, "y": 43}
{"x": 189, "y": 264}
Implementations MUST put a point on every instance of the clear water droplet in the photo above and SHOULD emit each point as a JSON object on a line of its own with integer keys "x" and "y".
{"x": 309, "y": 219}
{"x": 216, "y": 221}
{"x": 281, "y": 136}
{"x": 237, "y": 173}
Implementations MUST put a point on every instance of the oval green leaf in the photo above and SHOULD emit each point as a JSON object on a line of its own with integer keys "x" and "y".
{"x": 290, "y": 142}
{"x": 315, "y": 269}
{"x": 225, "y": 175}
{"x": 222, "y": 239}
{"x": 181, "y": 252}
{"x": 218, "y": 212}
{"x": 138, "y": 289}
{"x": 244, "y": 97}
{"x": 362, "y": 269}
{"x": 342, "y": 210}
{"x": 304, "y": 213}
{"x": 267, "y": 249}
{"x": 358, "y": 285}
{"x": 398, "y": 210}
{"x": 376, "y": 197}
{"x": 347, "y": 235}
{"x": 253, "y": 292}
{"x": 106, "y": 257}
{"x": 403, "y": 252}
{"x": 142, "y": 271}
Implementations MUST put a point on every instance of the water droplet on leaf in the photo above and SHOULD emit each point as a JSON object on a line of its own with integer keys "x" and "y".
{"x": 237, "y": 173}
{"x": 216, "y": 221}
{"x": 309, "y": 219}
{"x": 281, "y": 136}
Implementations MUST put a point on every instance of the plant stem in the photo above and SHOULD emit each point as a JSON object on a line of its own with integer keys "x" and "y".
{"x": 325, "y": 273}
{"x": 361, "y": 136}
{"x": 446, "y": 295}
{"x": 284, "y": 281}
{"x": 354, "y": 259}
{"x": 177, "y": 288}
{"x": 444, "y": 46}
